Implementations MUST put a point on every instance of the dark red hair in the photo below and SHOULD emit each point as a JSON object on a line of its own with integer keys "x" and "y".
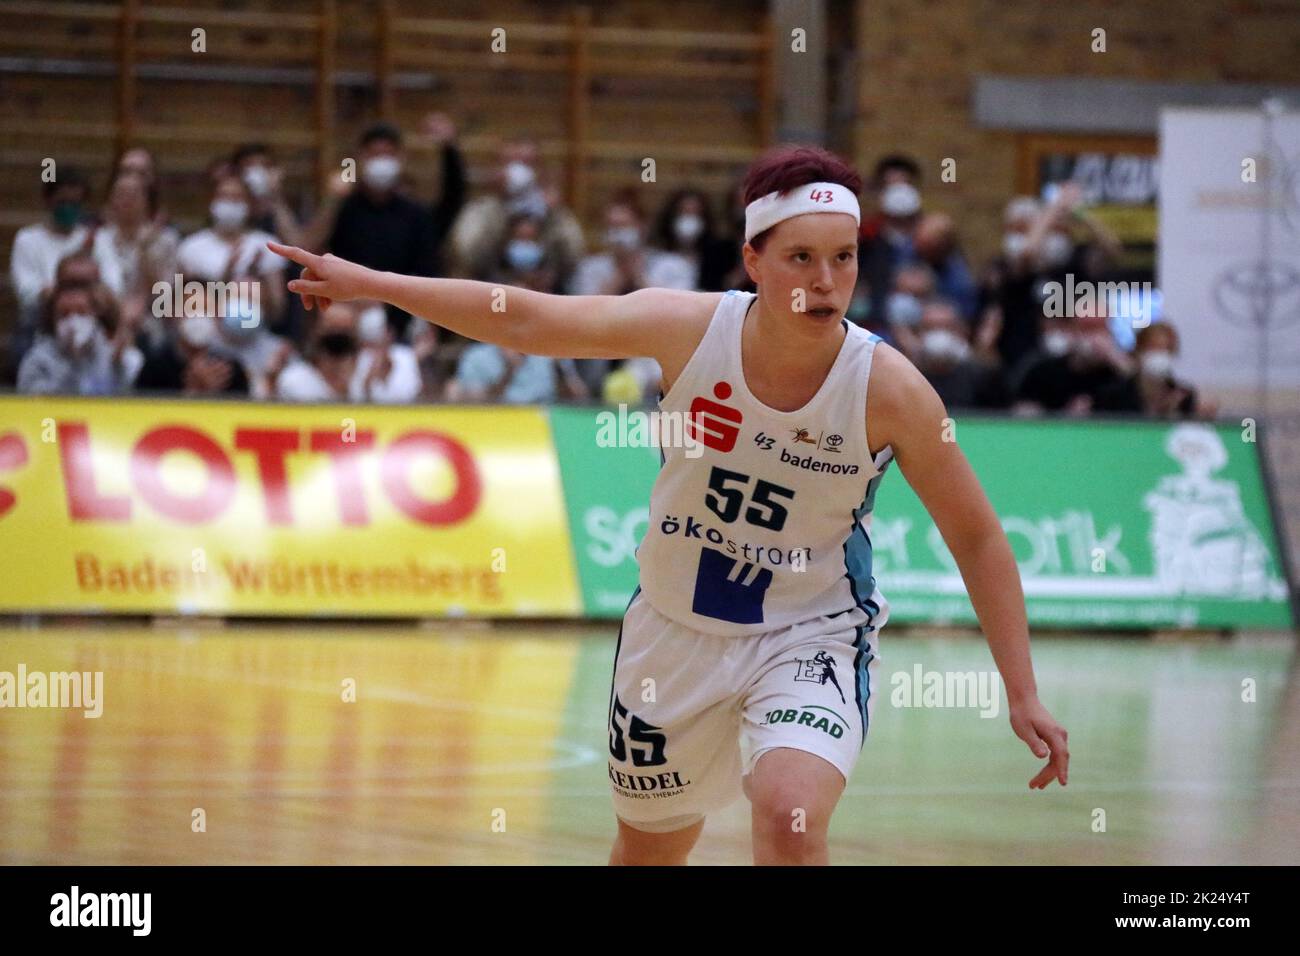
{"x": 788, "y": 167}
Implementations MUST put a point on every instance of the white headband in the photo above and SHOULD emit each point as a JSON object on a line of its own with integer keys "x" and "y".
{"x": 766, "y": 211}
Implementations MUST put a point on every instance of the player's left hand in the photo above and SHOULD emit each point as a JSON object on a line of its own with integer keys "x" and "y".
{"x": 1039, "y": 729}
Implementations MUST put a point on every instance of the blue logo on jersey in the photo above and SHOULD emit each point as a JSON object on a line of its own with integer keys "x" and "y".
{"x": 717, "y": 596}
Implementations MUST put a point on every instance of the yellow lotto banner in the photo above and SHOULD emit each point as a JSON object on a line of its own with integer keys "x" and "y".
{"x": 136, "y": 505}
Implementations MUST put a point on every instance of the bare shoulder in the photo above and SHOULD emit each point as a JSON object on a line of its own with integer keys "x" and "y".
{"x": 673, "y": 322}
{"x": 899, "y": 401}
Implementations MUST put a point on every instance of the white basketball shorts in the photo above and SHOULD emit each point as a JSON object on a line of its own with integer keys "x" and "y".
{"x": 690, "y": 713}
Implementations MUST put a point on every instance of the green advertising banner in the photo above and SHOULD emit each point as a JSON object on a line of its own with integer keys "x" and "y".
{"x": 607, "y": 497}
{"x": 1113, "y": 524}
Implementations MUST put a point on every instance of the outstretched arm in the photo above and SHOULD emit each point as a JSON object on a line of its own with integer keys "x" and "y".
{"x": 659, "y": 323}
{"x": 907, "y": 414}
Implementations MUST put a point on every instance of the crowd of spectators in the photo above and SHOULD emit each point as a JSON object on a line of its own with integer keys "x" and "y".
{"x": 113, "y": 299}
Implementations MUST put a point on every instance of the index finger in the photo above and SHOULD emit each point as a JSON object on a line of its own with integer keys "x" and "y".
{"x": 300, "y": 256}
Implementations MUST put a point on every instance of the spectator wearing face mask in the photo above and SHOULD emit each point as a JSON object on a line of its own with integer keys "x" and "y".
{"x": 628, "y": 264}
{"x": 1050, "y": 239}
{"x": 524, "y": 261}
{"x": 517, "y": 189}
{"x": 329, "y": 368}
{"x": 490, "y": 373}
{"x": 1012, "y": 317}
{"x": 913, "y": 286}
{"x": 38, "y": 248}
{"x": 948, "y": 362}
{"x": 1038, "y": 246}
{"x": 194, "y": 360}
{"x": 76, "y": 268}
{"x": 80, "y": 350}
{"x": 1056, "y": 339}
{"x": 378, "y": 224}
{"x": 243, "y": 334}
{"x": 269, "y": 210}
{"x": 686, "y": 227}
{"x": 1152, "y": 389}
{"x": 1094, "y": 249}
{"x": 892, "y": 169}
{"x": 388, "y": 371}
{"x": 230, "y": 251}
{"x": 887, "y": 237}
{"x": 1072, "y": 382}
{"x": 524, "y": 264}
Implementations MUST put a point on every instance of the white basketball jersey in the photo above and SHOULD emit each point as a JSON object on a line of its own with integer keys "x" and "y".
{"x": 768, "y": 524}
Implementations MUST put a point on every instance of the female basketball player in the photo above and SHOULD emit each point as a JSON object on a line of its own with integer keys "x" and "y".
{"x": 755, "y": 626}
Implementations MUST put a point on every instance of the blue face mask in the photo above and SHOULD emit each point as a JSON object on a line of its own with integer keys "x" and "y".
{"x": 241, "y": 321}
{"x": 523, "y": 255}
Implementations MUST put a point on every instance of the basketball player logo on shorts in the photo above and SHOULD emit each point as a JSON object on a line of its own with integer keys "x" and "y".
{"x": 808, "y": 670}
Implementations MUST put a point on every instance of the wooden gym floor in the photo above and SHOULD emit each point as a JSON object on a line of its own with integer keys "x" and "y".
{"x": 477, "y": 744}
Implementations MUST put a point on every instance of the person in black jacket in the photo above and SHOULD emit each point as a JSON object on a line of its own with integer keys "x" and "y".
{"x": 378, "y": 223}
{"x": 1074, "y": 381}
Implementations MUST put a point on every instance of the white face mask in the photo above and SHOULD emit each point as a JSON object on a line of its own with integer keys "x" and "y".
{"x": 258, "y": 181}
{"x": 381, "y": 172}
{"x": 198, "y": 330}
{"x": 942, "y": 344}
{"x": 1013, "y": 244}
{"x": 228, "y": 214}
{"x": 900, "y": 200}
{"x": 76, "y": 330}
{"x": 903, "y": 308}
{"x": 1055, "y": 250}
{"x": 518, "y": 177}
{"x": 1056, "y": 344}
{"x": 1156, "y": 364}
{"x": 626, "y": 238}
{"x": 688, "y": 226}
{"x": 372, "y": 325}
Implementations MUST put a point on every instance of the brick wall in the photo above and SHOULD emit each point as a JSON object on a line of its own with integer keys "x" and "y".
{"x": 917, "y": 61}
